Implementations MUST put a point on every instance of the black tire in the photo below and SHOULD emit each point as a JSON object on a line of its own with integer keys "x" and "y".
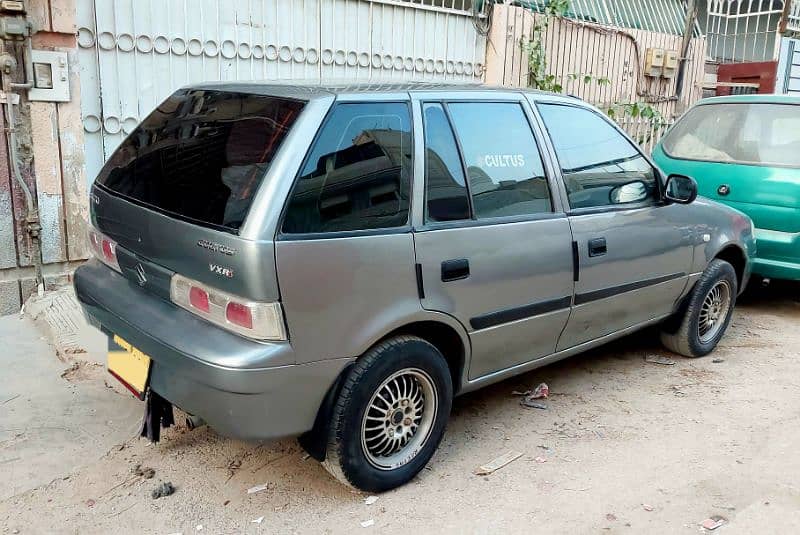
{"x": 681, "y": 334}
{"x": 346, "y": 458}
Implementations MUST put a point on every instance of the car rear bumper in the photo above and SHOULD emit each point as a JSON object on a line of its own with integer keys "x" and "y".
{"x": 241, "y": 388}
{"x": 778, "y": 255}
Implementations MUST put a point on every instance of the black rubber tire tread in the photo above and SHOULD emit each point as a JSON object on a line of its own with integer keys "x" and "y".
{"x": 685, "y": 340}
{"x": 341, "y": 459}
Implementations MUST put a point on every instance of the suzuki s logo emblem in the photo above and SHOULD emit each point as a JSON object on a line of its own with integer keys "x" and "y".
{"x": 141, "y": 277}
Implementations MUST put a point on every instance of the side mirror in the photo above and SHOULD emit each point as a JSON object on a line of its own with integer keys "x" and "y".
{"x": 635, "y": 191}
{"x": 680, "y": 189}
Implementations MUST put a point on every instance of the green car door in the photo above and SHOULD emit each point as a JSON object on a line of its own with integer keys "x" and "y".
{"x": 744, "y": 151}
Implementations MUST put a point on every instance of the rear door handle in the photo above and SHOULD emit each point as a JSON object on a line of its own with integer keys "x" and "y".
{"x": 453, "y": 270}
{"x": 597, "y": 247}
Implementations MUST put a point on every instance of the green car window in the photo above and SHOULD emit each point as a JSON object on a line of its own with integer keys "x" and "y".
{"x": 758, "y": 133}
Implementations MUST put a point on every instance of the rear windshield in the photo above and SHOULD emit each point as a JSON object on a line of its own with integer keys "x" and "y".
{"x": 201, "y": 154}
{"x": 763, "y": 134}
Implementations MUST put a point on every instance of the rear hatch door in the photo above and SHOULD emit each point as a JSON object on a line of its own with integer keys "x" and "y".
{"x": 176, "y": 192}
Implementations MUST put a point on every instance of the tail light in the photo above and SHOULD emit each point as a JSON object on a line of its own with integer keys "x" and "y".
{"x": 104, "y": 248}
{"x": 253, "y": 319}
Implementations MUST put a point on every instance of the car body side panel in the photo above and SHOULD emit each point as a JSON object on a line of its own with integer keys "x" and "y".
{"x": 512, "y": 266}
{"x": 645, "y": 268}
{"x": 340, "y": 294}
{"x": 717, "y": 227}
{"x": 641, "y": 276}
{"x": 513, "y": 371}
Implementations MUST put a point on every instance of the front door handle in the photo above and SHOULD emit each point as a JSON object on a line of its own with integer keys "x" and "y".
{"x": 597, "y": 247}
{"x": 453, "y": 270}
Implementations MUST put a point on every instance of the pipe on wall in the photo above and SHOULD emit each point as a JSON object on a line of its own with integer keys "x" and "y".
{"x": 32, "y": 224}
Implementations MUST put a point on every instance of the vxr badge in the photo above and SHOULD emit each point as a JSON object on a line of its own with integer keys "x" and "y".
{"x": 221, "y": 270}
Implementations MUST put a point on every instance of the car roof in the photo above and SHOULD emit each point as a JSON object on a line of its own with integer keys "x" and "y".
{"x": 308, "y": 90}
{"x": 751, "y": 99}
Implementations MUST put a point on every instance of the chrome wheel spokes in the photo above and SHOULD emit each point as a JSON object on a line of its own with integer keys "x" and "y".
{"x": 399, "y": 418}
{"x": 714, "y": 311}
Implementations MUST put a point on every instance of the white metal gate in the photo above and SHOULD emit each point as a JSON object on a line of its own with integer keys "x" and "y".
{"x": 789, "y": 68}
{"x": 133, "y": 53}
{"x": 739, "y": 31}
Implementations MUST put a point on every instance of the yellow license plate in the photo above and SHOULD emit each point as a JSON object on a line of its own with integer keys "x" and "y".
{"x": 129, "y": 365}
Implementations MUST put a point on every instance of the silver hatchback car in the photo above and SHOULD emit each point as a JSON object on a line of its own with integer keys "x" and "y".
{"x": 339, "y": 262}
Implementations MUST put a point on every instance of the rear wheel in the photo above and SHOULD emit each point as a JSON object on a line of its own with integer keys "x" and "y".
{"x": 390, "y": 415}
{"x": 701, "y": 323}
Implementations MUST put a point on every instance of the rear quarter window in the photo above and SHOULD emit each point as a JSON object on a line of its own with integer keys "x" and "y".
{"x": 201, "y": 155}
{"x": 357, "y": 173}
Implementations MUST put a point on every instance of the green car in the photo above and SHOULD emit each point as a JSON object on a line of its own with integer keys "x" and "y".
{"x": 744, "y": 151}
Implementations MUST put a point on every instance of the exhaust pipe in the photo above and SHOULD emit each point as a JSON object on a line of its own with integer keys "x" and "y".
{"x": 765, "y": 282}
{"x": 193, "y": 422}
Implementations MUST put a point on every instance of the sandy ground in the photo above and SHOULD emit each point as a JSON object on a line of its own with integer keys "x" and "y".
{"x": 55, "y": 413}
{"x": 625, "y": 446}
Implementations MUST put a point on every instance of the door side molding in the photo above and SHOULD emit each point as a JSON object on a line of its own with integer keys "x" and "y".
{"x": 507, "y": 315}
{"x": 611, "y": 291}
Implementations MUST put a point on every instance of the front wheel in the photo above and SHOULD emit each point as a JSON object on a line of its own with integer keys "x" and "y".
{"x": 390, "y": 415}
{"x": 699, "y": 325}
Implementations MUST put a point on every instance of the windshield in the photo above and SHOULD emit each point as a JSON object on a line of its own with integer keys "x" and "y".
{"x": 759, "y": 133}
{"x": 201, "y": 154}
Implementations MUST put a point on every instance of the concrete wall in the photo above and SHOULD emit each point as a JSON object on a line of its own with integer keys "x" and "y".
{"x": 50, "y": 157}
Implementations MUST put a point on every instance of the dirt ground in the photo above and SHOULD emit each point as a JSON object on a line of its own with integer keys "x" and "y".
{"x": 625, "y": 446}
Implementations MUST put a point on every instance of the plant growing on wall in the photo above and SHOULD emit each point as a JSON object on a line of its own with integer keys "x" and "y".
{"x": 653, "y": 119}
{"x": 538, "y": 77}
{"x": 535, "y": 51}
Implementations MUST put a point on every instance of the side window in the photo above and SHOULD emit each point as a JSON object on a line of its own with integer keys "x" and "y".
{"x": 504, "y": 167}
{"x": 445, "y": 188}
{"x": 600, "y": 167}
{"x": 357, "y": 175}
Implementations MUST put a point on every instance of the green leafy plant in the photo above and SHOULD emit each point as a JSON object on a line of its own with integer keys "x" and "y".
{"x": 651, "y": 116}
{"x": 539, "y": 78}
{"x": 535, "y": 51}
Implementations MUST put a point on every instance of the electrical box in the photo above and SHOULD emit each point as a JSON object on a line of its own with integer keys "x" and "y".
{"x": 670, "y": 63}
{"x": 50, "y": 76}
{"x": 13, "y": 28}
{"x": 654, "y": 62}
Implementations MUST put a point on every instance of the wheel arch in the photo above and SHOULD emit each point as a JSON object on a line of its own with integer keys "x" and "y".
{"x": 736, "y": 257}
{"x": 731, "y": 253}
{"x": 443, "y": 337}
{"x": 437, "y": 329}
